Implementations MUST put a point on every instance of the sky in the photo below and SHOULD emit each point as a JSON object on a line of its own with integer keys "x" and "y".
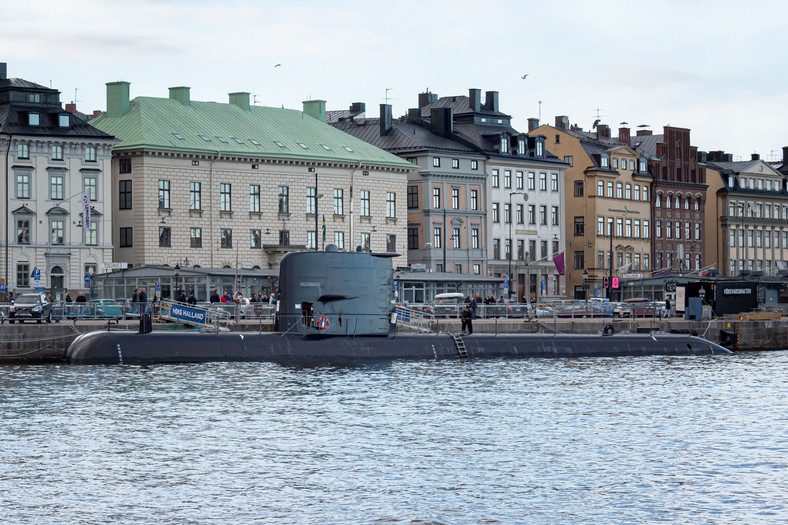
{"x": 716, "y": 67}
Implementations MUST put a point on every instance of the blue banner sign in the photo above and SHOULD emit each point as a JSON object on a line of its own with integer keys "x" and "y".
{"x": 185, "y": 313}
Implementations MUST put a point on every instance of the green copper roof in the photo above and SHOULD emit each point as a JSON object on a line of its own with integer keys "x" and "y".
{"x": 208, "y": 127}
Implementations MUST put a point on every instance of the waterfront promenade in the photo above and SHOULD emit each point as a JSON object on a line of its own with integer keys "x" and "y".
{"x": 42, "y": 343}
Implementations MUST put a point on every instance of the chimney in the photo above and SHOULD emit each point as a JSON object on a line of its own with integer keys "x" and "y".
{"x": 385, "y": 119}
{"x": 623, "y": 135}
{"x": 414, "y": 115}
{"x": 603, "y": 131}
{"x": 96, "y": 113}
{"x": 492, "y": 101}
{"x": 427, "y": 98}
{"x": 315, "y": 109}
{"x": 562, "y": 122}
{"x": 117, "y": 98}
{"x": 727, "y": 157}
{"x": 703, "y": 157}
{"x": 475, "y": 96}
{"x": 71, "y": 108}
{"x": 533, "y": 123}
{"x": 755, "y": 156}
{"x": 3, "y": 71}
{"x": 442, "y": 121}
{"x": 358, "y": 107}
{"x": 241, "y": 99}
{"x": 785, "y": 154}
{"x": 643, "y": 132}
{"x": 181, "y": 94}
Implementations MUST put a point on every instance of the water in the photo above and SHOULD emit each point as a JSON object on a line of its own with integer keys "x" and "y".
{"x": 624, "y": 440}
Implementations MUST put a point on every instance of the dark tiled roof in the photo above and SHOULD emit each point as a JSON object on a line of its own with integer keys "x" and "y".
{"x": 646, "y": 145}
{"x": 21, "y": 83}
{"x": 404, "y": 136}
{"x": 736, "y": 167}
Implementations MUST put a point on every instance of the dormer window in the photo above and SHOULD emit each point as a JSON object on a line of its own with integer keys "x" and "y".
{"x": 642, "y": 168}
{"x": 504, "y": 144}
{"x": 34, "y": 97}
{"x": 539, "y": 148}
{"x": 521, "y": 146}
{"x": 34, "y": 119}
{"x": 604, "y": 160}
{"x": 731, "y": 181}
{"x": 63, "y": 121}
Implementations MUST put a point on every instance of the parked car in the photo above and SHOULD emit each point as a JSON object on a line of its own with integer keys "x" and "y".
{"x": 105, "y": 309}
{"x": 621, "y": 309}
{"x": 641, "y": 307}
{"x": 446, "y": 305}
{"x": 32, "y": 306}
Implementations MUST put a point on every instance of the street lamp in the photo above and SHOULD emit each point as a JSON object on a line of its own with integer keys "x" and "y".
{"x": 511, "y": 248}
{"x": 585, "y": 286}
{"x": 175, "y": 294}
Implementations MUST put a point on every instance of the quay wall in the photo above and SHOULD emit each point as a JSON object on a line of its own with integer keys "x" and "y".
{"x": 47, "y": 343}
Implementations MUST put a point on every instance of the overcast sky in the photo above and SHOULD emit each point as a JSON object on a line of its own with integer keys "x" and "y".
{"x": 717, "y": 67}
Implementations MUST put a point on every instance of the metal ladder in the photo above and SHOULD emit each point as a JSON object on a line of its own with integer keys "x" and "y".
{"x": 460, "y": 344}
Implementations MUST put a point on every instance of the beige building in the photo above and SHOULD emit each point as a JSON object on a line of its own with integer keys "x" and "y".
{"x": 607, "y": 211}
{"x": 226, "y": 184}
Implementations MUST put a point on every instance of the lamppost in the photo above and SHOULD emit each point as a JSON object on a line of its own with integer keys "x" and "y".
{"x": 511, "y": 248}
{"x": 585, "y": 287}
{"x": 610, "y": 270}
{"x": 174, "y": 296}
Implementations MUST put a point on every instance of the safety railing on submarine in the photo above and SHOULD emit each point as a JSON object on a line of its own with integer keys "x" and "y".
{"x": 414, "y": 318}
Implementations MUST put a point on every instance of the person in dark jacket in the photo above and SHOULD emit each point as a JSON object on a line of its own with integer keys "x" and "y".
{"x": 68, "y": 298}
{"x": 192, "y": 299}
{"x": 181, "y": 297}
{"x": 467, "y": 319}
{"x": 81, "y": 298}
{"x": 215, "y": 296}
{"x": 143, "y": 301}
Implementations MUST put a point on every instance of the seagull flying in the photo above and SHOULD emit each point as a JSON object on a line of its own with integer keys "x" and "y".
{"x": 277, "y": 65}
{"x": 524, "y": 76}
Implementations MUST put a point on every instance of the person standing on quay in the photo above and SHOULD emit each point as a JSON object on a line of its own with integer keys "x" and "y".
{"x": 467, "y": 319}
{"x": 143, "y": 301}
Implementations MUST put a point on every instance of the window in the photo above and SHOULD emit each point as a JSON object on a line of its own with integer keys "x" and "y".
{"x": 504, "y": 144}
{"x": 569, "y": 160}
{"x": 124, "y": 190}
{"x": 436, "y": 197}
{"x": 413, "y": 239}
{"x": 413, "y": 197}
{"x": 164, "y": 237}
{"x": 539, "y": 148}
{"x": 697, "y": 204}
{"x": 90, "y": 184}
{"x": 126, "y": 237}
{"x": 554, "y": 181}
{"x": 90, "y": 154}
{"x": 496, "y": 183}
{"x": 495, "y": 212}
{"x": 580, "y": 226}
{"x": 600, "y": 188}
{"x": 365, "y": 203}
{"x": 667, "y": 202}
{"x": 22, "y": 151}
{"x": 507, "y": 249}
{"x": 605, "y": 161}
{"x": 554, "y": 216}
{"x": 579, "y": 188}
{"x": 532, "y": 250}
{"x": 338, "y": 202}
{"x": 455, "y": 198}
{"x": 339, "y": 240}
{"x": 124, "y": 165}
{"x": 520, "y": 214}
{"x": 600, "y": 226}
{"x": 436, "y": 237}
{"x": 609, "y": 189}
{"x": 600, "y": 259}
{"x": 507, "y": 213}
{"x": 255, "y": 239}
{"x": 225, "y": 197}
{"x": 475, "y": 238}
{"x": 619, "y": 227}
{"x": 637, "y": 192}
{"x": 542, "y": 214}
{"x": 23, "y": 230}
{"x": 619, "y": 190}
{"x": 57, "y": 152}
{"x": 580, "y": 258}
{"x": 477, "y": 269}
{"x": 91, "y": 234}
{"x": 474, "y": 164}
{"x": 311, "y": 240}
{"x": 455, "y": 238}
{"x": 34, "y": 119}
{"x": 637, "y": 229}
{"x": 455, "y": 163}
{"x": 195, "y": 195}
{"x": 164, "y": 194}
{"x": 226, "y": 238}
{"x": 628, "y": 192}
{"x": 23, "y": 185}
{"x": 391, "y": 243}
{"x": 531, "y": 180}
{"x": 669, "y": 229}
{"x": 56, "y": 186}
{"x": 520, "y": 250}
{"x": 284, "y": 199}
{"x": 195, "y": 237}
{"x": 543, "y": 182}
{"x": 474, "y": 199}
{"x": 615, "y": 162}
{"x": 628, "y": 228}
{"x": 254, "y": 198}
{"x": 496, "y": 248}
{"x": 507, "y": 179}
{"x": 436, "y": 162}
{"x": 531, "y": 214}
{"x": 23, "y": 275}
{"x": 391, "y": 204}
{"x": 678, "y": 229}
{"x": 518, "y": 180}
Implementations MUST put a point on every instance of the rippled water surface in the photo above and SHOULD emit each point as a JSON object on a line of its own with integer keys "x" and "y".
{"x": 624, "y": 440}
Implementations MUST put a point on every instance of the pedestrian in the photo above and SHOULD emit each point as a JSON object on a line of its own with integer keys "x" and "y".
{"x": 68, "y": 297}
{"x": 473, "y": 305}
{"x": 668, "y": 313}
{"x": 142, "y": 299}
{"x": 225, "y": 298}
{"x": 81, "y": 298}
{"x": 192, "y": 300}
{"x": 272, "y": 298}
{"x": 182, "y": 297}
{"x": 215, "y": 296}
{"x": 467, "y": 321}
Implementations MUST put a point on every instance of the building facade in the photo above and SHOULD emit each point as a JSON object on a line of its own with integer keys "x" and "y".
{"x": 232, "y": 184}
{"x": 50, "y": 158}
{"x": 751, "y": 207}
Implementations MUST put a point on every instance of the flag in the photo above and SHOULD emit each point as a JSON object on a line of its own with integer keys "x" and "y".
{"x": 558, "y": 260}
{"x": 324, "y": 231}
{"x": 86, "y": 210}
{"x": 662, "y": 273}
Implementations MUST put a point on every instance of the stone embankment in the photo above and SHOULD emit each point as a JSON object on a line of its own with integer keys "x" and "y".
{"x": 47, "y": 343}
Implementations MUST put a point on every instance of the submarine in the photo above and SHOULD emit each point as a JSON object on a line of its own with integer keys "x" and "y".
{"x": 338, "y": 307}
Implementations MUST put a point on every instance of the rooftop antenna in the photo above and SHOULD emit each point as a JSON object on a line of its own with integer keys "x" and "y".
{"x": 540, "y": 110}
{"x": 387, "y": 94}
{"x": 75, "y": 96}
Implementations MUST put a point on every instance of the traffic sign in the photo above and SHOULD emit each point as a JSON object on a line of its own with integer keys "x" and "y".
{"x": 87, "y": 280}
{"x": 615, "y": 282}
{"x": 605, "y": 282}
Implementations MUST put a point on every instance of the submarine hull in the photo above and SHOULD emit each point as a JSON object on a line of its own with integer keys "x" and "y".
{"x": 104, "y": 347}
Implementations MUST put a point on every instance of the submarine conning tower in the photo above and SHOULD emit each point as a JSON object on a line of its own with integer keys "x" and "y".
{"x": 335, "y": 292}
